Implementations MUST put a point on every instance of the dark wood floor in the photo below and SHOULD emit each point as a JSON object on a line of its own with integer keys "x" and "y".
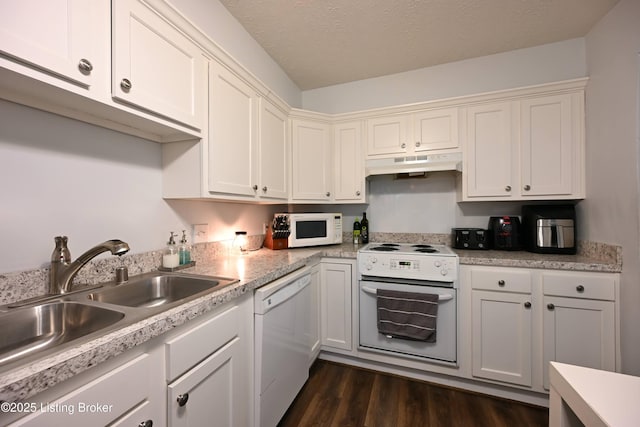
{"x": 339, "y": 395}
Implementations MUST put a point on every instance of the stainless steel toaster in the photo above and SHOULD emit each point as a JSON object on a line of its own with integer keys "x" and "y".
{"x": 549, "y": 229}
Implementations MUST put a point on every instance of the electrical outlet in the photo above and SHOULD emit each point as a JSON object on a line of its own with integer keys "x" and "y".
{"x": 200, "y": 233}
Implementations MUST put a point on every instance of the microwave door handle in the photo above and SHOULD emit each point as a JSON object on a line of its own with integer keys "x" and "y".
{"x": 443, "y": 297}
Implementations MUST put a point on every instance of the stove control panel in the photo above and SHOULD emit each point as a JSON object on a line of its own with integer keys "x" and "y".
{"x": 434, "y": 268}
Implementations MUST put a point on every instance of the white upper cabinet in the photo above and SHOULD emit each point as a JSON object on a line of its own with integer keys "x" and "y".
{"x": 311, "y": 166}
{"x": 155, "y": 66}
{"x": 61, "y": 37}
{"x": 412, "y": 134}
{"x": 233, "y": 135}
{"x": 349, "y": 180}
{"x": 526, "y": 149}
{"x": 273, "y": 158}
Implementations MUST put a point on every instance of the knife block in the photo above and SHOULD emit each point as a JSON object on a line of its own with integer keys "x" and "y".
{"x": 275, "y": 244}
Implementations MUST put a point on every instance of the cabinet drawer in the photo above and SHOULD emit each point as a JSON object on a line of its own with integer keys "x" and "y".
{"x": 185, "y": 350}
{"x": 587, "y": 285}
{"x": 501, "y": 279}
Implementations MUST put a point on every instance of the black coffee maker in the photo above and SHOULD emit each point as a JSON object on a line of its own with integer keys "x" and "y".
{"x": 504, "y": 233}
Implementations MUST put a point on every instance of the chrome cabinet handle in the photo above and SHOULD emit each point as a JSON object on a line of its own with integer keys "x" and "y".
{"x": 580, "y": 288}
{"x": 501, "y": 282}
{"x": 126, "y": 85}
{"x": 507, "y": 188}
{"x": 85, "y": 66}
{"x": 527, "y": 304}
{"x": 264, "y": 188}
{"x": 527, "y": 187}
{"x": 550, "y": 306}
{"x": 417, "y": 143}
{"x": 148, "y": 423}
{"x": 182, "y": 399}
{"x": 403, "y": 145}
{"x": 255, "y": 187}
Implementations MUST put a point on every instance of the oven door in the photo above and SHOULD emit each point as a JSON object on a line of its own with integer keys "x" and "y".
{"x": 443, "y": 350}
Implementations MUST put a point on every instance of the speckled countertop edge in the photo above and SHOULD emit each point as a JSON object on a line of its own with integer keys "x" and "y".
{"x": 254, "y": 269}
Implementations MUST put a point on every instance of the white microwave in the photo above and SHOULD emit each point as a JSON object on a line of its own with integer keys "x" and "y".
{"x": 314, "y": 229}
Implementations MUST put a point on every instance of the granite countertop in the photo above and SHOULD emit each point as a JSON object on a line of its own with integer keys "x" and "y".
{"x": 253, "y": 270}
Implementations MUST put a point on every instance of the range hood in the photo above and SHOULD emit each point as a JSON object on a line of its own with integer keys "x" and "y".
{"x": 414, "y": 165}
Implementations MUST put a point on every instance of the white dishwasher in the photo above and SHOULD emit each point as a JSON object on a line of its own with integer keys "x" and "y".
{"x": 282, "y": 325}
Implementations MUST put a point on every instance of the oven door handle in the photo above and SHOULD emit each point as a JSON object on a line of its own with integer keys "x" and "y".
{"x": 443, "y": 297}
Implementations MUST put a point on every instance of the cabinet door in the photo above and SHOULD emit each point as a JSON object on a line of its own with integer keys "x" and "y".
{"x": 59, "y": 36}
{"x": 311, "y": 161}
{"x": 314, "y": 315}
{"x": 547, "y": 143}
{"x": 335, "y": 305}
{"x": 155, "y": 66}
{"x": 580, "y": 332}
{"x": 208, "y": 392}
{"x": 387, "y": 135}
{"x": 501, "y": 341}
{"x": 274, "y": 153}
{"x": 349, "y": 163}
{"x": 491, "y": 156}
{"x": 435, "y": 130}
{"x": 232, "y": 133}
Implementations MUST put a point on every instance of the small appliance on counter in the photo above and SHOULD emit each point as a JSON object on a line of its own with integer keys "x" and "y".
{"x": 278, "y": 234}
{"x": 549, "y": 229}
{"x": 470, "y": 238}
{"x": 504, "y": 233}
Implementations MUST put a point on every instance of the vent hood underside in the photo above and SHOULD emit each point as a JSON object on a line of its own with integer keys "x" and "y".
{"x": 414, "y": 164}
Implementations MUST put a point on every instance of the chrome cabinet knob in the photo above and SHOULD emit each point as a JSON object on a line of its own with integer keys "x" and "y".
{"x": 527, "y": 187}
{"x": 328, "y": 194}
{"x": 403, "y": 145}
{"x": 126, "y": 85}
{"x": 255, "y": 187}
{"x": 501, "y": 283}
{"x": 148, "y": 423}
{"x": 527, "y": 304}
{"x": 264, "y": 188}
{"x": 550, "y": 306}
{"x": 507, "y": 188}
{"x": 358, "y": 193}
{"x": 417, "y": 143}
{"x": 580, "y": 288}
{"x": 85, "y": 66}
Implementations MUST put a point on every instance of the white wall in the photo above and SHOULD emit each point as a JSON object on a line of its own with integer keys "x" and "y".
{"x": 63, "y": 177}
{"x": 542, "y": 64}
{"x": 613, "y": 120}
{"x": 215, "y": 20}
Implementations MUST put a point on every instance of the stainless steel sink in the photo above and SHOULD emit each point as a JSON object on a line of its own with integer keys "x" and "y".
{"x": 32, "y": 330}
{"x": 157, "y": 289}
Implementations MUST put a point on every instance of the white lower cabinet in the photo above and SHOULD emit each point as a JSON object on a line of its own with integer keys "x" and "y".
{"x": 314, "y": 315}
{"x": 524, "y": 318}
{"x": 502, "y": 326}
{"x": 335, "y": 304}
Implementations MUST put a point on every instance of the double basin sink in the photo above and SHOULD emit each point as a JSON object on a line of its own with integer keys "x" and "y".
{"x": 41, "y": 328}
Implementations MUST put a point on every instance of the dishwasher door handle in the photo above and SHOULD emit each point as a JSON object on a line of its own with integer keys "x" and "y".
{"x": 443, "y": 297}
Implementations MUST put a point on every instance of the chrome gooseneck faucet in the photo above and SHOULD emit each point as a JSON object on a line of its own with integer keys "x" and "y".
{"x": 63, "y": 270}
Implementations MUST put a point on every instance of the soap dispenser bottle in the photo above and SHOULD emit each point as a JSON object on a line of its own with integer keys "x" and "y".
{"x": 170, "y": 257}
{"x": 184, "y": 251}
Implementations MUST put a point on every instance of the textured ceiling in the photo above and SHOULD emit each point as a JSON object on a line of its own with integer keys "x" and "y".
{"x": 320, "y": 43}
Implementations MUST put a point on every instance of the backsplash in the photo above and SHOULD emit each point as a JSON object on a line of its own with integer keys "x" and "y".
{"x": 17, "y": 286}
